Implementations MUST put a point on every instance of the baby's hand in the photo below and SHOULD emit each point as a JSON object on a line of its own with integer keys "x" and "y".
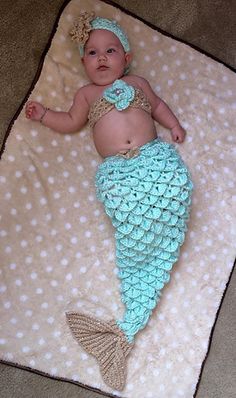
{"x": 34, "y": 110}
{"x": 178, "y": 134}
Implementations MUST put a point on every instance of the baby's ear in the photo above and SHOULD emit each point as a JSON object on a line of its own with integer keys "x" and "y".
{"x": 128, "y": 58}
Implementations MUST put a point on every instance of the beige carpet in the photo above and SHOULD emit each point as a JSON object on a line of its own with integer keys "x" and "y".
{"x": 218, "y": 378}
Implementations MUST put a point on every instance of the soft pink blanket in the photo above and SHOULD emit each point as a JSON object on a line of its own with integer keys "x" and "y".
{"x": 57, "y": 247}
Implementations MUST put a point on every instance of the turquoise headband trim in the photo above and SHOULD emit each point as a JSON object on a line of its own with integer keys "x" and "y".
{"x": 112, "y": 26}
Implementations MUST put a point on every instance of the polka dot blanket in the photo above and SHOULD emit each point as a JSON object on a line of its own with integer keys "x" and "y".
{"x": 57, "y": 244}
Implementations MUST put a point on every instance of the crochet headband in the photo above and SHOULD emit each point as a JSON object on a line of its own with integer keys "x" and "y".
{"x": 87, "y": 22}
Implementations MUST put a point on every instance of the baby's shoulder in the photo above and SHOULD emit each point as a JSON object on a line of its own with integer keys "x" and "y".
{"x": 86, "y": 92}
{"x": 137, "y": 81}
{"x": 87, "y": 89}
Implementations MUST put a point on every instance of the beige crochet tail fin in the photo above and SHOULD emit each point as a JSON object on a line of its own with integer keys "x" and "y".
{"x": 106, "y": 342}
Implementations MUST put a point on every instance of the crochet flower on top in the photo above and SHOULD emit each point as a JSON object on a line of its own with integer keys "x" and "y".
{"x": 120, "y": 94}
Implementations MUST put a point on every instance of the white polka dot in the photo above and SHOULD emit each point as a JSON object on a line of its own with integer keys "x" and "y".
{"x": 40, "y": 149}
{"x": 72, "y": 189}
{"x": 51, "y": 180}
{"x": 48, "y": 355}
{"x": 136, "y": 28}
{"x": 74, "y": 240}
{"x": 32, "y": 169}
{"x": 19, "y": 335}
{"x": 69, "y": 277}
{"x": 165, "y": 68}
{"x": 64, "y": 262}
{"x": 35, "y": 326}
{"x": 59, "y": 247}
{"x": 161, "y": 387}
{"x": 37, "y": 184}
{"x": 56, "y": 195}
{"x": 178, "y": 62}
{"x": 83, "y": 270}
{"x": 8, "y": 249}
{"x": 25, "y": 349}
{"x": 155, "y": 38}
{"x": 212, "y": 82}
{"x": 9, "y": 356}
{"x": 147, "y": 58}
{"x": 183, "y": 76}
{"x": 43, "y": 201}
{"x": 84, "y": 356}
{"x": 130, "y": 386}
{"x": 80, "y": 169}
{"x": 152, "y": 73}
{"x": 76, "y": 377}
{"x": 68, "y": 54}
{"x": 11, "y": 158}
{"x": 41, "y": 341}
{"x": 3, "y": 341}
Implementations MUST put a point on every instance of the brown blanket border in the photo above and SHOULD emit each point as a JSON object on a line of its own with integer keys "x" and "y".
{"x": 37, "y": 75}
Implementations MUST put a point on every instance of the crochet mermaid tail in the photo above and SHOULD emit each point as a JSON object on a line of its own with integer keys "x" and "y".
{"x": 147, "y": 197}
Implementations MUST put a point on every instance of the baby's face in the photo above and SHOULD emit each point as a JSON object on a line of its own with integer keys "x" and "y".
{"x": 104, "y": 57}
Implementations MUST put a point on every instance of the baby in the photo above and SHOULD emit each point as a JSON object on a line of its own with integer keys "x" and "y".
{"x": 142, "y": 182}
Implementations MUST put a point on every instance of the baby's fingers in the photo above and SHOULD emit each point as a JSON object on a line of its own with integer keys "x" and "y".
{"x": 29, "y": 109}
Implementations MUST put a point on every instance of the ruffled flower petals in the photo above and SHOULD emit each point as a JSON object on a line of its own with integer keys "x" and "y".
{"x": 82, "y": 27}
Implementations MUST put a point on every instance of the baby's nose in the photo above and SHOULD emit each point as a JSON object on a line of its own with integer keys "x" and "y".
{"x": 102, "y": 57}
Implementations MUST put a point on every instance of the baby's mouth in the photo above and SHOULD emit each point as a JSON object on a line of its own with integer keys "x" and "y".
{"x": 102, "y": 67}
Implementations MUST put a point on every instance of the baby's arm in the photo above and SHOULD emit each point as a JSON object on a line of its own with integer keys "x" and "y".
{"x": 163, "y": 114}
{"x": 62, "y": 122}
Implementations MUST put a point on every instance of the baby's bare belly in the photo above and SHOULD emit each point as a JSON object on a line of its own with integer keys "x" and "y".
{"x": 120, "y": 131}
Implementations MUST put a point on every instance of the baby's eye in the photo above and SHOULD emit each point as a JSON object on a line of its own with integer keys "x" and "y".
{"x": 92, "y": 52}
{"x": 111, "y": 50}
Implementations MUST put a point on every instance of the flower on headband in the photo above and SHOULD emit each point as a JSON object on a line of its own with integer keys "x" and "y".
{"x": 80, "y": 32}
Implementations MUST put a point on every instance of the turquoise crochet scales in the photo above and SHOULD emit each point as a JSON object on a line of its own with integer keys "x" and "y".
{"x": 147, "y": 198}
{"x": 146, "y": 193}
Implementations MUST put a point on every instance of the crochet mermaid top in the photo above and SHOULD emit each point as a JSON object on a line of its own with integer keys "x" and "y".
{"x": 120, "y": 96}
